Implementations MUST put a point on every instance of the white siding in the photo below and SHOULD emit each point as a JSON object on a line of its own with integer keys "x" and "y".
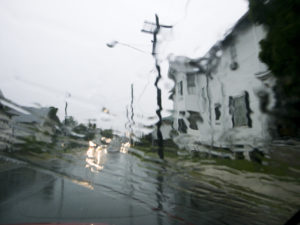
{"x": 226, "y": 83}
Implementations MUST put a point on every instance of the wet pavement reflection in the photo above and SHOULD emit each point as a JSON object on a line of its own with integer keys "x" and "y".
{"x": 96, "y": 185}
{"x": 96, "y": 157}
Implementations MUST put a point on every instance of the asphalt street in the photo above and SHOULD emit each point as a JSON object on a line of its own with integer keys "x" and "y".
{"x": 118, "y": 188}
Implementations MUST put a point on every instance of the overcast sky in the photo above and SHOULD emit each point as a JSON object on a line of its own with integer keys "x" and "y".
{"x": 55, "y": 50}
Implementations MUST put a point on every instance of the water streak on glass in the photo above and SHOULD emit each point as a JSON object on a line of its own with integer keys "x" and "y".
{"x": 148, "y": 112}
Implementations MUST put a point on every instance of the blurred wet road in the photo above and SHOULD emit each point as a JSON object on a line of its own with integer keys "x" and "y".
{"x": 127, "y": 190}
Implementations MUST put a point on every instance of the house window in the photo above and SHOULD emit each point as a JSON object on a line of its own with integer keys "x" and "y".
{"x": 172, "y": 72}
{"x": 172, "y": 92}
{"x": 240, "y": 110}
{"x": 182, "y": 126}
{"x": 191, "y": 84}
{"x": 180, "y": 88}
{"x": 233, "y": 65}
{"x": 217, "y": 111}
{"x": 193, "y": 118}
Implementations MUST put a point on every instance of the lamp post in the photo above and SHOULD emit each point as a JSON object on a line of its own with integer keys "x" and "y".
{"x": 152, "y": 28}
{"x": 113, "y": 43}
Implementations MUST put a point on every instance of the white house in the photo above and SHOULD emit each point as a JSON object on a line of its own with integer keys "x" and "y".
{"x": 217, "y": 97}
{"x": 19, "y": 122}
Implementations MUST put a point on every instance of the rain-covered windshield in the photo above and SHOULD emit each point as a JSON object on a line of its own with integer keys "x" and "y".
{"x": 149, "y": 112}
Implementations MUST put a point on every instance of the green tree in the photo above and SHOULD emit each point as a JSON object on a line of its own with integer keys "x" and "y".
{"x": 52, "y": 115}
{"x": 88, "y": 132}
{"x": 70, "y": 122}
{"x": 280, "y": 51}
{"x": 81, "y": 129}
{"x": 108, "y": 133}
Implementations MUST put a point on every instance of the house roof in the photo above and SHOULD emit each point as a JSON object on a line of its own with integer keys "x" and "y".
{"x": 242, "y": 21}
{"x": 198, "y": 65}
{"x": 183, "y": 64}
{"x": 37, "y": 115}
{"x": 1, "y": 94}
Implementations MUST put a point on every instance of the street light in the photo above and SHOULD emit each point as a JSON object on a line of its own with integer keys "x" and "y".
{"x": 152, "y": 28}
{"x": 113, "y": 43}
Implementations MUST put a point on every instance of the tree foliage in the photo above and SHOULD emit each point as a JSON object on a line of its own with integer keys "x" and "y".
{"x": 108, "y": 133}
{"x": 70, "y": 121}
{"x": 52, "y": 115}
{"x": 87, "y": 131}
{"x": 280, "y": 50}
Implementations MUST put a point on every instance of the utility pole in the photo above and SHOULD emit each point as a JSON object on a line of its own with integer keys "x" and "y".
{"x": 66, "y": 116}
{"x": 66, "y": 112}
{"x": 130, "y": 122}
{"x": 132, "y": 115}
{"x": 154, "y": 28}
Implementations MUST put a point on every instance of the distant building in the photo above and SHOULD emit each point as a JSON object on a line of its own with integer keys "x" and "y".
{"x": 18, "y": 123}
{"x": 217, "y": 97}
{"x": 6, "y": 128}
{"x": 6, "y": 131}
{"x": 34, "y": 123}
